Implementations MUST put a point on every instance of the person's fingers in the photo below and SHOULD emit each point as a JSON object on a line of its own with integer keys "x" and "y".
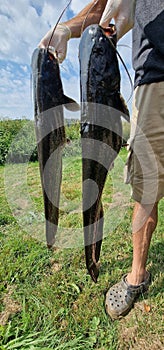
{"x": 122, "y": 11}
{"x": 58, "y": 41}
{"x": 109, "y": 13}
{"x": 41, "y": 46}
{"x": 105, "y": 22}
{"x": 45, "y": 40}
{"x": 61, "y": 56}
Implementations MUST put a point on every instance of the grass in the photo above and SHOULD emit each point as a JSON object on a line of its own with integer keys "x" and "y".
{"x": 47, "y": 299}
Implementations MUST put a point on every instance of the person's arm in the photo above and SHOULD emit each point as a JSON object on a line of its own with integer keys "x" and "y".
{"x": 91, "y": 14}
{"x": 97, "y": 11}
{"x": 73, "y": 28}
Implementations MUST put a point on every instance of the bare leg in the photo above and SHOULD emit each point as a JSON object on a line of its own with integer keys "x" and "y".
{"x": 143, "y": 225}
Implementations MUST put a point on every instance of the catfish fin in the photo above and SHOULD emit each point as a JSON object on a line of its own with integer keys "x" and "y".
{"x": 71, "y": 104}
{"x": 124, "y": 109}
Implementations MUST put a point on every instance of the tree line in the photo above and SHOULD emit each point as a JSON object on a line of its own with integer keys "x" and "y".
{"x": 18, "y": 140}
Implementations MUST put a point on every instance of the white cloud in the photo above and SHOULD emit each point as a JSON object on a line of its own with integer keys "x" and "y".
{"x": 24, "y": 68}
{"x": 15, "y": 92}
{"x": 22, "y": 27}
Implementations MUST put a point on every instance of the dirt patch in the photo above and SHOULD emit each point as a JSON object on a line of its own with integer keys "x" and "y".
{"x": 141, "y": 317}
{"x": 55, "y": 266}
{"x": 11, "y": 306}
{"x": 137, "y": 344}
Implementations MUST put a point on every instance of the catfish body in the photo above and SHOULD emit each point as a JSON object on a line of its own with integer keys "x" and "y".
{"x": 101, "y": 129}
{"x": 49, "y": 100}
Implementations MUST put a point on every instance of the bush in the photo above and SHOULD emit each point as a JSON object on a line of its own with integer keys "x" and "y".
{"x": 72, "y": 129}
{"x": 126, "y": 131}
{"x": 17, "y": 141}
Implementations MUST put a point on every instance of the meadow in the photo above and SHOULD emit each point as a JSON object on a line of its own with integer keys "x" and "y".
{"x": 47, "y": 298}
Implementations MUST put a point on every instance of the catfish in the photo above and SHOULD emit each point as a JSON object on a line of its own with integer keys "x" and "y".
{"x": 102, "y": 109}
{"x": 49, "y": 102}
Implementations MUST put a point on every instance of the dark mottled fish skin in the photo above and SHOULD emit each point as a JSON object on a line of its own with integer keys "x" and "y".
{"x": 101, "y": 130}
{"x": 49, "y": 99}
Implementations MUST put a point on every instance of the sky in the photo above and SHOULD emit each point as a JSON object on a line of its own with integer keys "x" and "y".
{"x": 23, "y": 24}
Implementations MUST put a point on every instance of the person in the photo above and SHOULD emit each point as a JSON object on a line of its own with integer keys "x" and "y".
{"x": 145, "y": 163}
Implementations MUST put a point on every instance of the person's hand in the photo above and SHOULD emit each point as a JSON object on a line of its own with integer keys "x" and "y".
{"x": 123, "y": 13}
{"x": 58, "y": 42}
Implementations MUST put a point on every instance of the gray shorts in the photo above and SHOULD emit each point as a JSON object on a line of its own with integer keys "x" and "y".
{"x": 144, "y": 168}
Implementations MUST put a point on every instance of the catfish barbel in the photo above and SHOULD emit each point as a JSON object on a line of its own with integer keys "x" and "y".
{"x": 101, "y": 129}
{"x": 49, "y": 100}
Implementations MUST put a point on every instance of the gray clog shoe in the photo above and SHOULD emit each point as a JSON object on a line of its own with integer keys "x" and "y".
{"x": 120, "y": 298}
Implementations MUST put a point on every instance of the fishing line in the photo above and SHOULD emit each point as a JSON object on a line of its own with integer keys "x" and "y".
{"x": 131, "y": 83}
{"x": 82, "y": 29}
{"x": 121, "y": 59}
{"x": 51, "y": 39}
{"x": 83, "y": 24}
{"x": 58, "y": 22}
{"x": 126, "y": 69}
{"x": 124, "y": 65}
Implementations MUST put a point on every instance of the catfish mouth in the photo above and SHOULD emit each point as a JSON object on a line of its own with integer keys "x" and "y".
{"x": 110, "y": 30}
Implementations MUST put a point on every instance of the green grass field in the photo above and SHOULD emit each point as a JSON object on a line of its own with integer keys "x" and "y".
{"x": 47, "y": 299}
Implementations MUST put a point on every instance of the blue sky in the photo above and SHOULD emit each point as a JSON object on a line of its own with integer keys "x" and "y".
{"x": 23, "y": 23}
